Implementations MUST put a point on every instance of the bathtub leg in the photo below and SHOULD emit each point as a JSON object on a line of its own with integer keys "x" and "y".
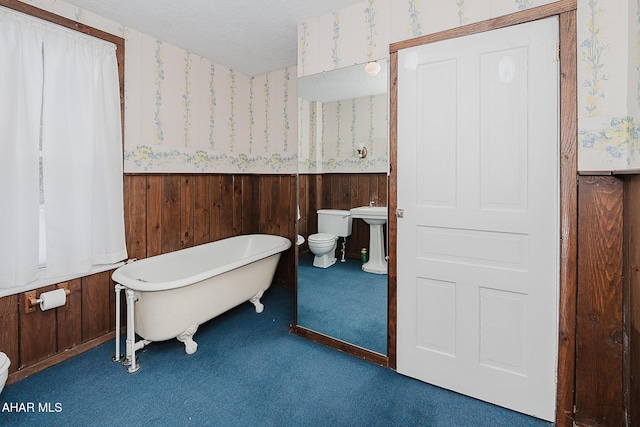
{"x": 256, "y": 301}
{"x": 190, "y": 346}
{"x": 118, "y": 356}
{"x": 132, "y": 296}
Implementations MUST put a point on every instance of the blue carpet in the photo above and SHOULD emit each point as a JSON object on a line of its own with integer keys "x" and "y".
{"x": 248, "y": 371}
{"x": 344, "y": 302}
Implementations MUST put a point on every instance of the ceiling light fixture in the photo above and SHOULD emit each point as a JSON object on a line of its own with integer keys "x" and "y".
{"x": 372, "y": 68}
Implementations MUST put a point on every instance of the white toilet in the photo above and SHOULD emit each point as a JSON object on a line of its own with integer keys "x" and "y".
{"x": 332, "y": 224}
{"x": 4, "y": 369}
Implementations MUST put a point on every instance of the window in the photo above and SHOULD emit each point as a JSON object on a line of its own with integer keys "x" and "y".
{"x": 61, "y": 152}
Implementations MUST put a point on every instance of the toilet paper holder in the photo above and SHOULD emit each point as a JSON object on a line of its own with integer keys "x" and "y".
{"x": 31, "y": 301}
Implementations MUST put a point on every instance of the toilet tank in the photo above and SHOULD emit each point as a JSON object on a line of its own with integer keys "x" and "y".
{"x": 334, "y": 221}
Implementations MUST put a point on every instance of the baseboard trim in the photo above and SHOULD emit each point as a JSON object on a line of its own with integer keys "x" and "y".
{"x": 377, "y": 358}
{"x": 58, "y": 358}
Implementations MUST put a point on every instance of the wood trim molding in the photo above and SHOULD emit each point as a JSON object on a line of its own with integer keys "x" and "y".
{"x": 567, "y": 306}
{"x": 516, "y": 18}
{"x": 615, "y": 172}
{"x": 392, "y": 227}
{"x": 60, "y": 20}
{"x": 566, "y": 10}
{"x": 59, "y": 358}
{"x": 377, "y": 358}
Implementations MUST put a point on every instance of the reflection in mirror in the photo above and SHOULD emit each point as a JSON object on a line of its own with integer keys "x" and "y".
{"x": 343, "y": 164}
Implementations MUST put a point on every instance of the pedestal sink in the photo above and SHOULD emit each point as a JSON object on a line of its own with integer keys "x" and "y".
{"x": 376, "y": 217}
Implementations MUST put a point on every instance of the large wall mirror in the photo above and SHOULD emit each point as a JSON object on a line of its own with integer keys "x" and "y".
{"x": 343, "y": 164}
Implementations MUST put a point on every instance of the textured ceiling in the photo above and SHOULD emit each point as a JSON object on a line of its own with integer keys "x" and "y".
{"x": 251, "y": 36}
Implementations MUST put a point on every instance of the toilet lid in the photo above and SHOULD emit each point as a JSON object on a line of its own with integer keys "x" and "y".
{"x": 322, "y": 237}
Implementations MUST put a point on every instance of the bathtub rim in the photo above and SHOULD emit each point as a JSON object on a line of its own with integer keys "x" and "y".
{"x": 120, "y": 276}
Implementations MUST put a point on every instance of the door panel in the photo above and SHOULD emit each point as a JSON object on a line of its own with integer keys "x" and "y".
{"x": 478, "y": 244}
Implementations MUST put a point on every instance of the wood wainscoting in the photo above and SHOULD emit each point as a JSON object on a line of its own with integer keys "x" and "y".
{"x": 599, "y": 347}
{"x": 340, "y": 191}
{"x": 35, "y": 341}
{"x": 631, "y": 298}
{"x": 607, "y": 389}
{"x": 169, "y": 212}
{"x": 163, "y": 213}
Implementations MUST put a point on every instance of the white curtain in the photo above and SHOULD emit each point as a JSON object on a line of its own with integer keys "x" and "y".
{"x": 81, "y": 155}
{"x": 20, "y": 104}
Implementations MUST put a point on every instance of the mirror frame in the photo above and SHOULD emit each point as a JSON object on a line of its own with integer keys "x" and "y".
{"x": 318, "y": 337}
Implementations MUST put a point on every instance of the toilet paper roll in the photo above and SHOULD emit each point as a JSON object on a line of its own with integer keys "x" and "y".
{"x": 53, "y": 299}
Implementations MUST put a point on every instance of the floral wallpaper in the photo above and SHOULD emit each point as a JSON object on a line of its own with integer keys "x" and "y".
{"x": 607, "y": 107}
{"x": 636, "y": 53}
{"x": 634, "y": 67}
{"x": 335, "y": 51}
{"x": 608, "y": 54}
{"x": 230, "y": 123}
{"x": 185, "y": 113}
{"x": 370, "y": 22}
{"x": 592, "y": 55}
{"x": 330, "y": 133}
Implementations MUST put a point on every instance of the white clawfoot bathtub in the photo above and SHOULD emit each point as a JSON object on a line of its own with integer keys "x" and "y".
{"x": 170, "y": 295}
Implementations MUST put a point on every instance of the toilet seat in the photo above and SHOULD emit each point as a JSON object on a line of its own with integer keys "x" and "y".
{"x": 3, "y": 362}
{"x": 322, "y": 238}
{"x": 323, "y": 246}
{"x": 4, "y": 370}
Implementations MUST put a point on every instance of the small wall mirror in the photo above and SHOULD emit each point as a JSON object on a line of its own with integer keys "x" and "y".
{"x": 343, "y": 164}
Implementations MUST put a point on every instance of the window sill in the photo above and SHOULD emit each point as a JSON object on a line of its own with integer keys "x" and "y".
{"x": 42, "y": 281}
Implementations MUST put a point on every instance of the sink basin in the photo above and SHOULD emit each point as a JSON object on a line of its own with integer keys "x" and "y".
{"x": 372, "y": 215}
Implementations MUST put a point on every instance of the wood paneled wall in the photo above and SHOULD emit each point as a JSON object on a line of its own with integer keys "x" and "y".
{"x": 607, "y": 389}
{"x": 37, "y": 340}
{"x": 170, "y": 212}
{"x": 631, "y": 280}
{"x": 599, "y": 353}
{"x": 163, "y": 213}
{"x": 340, "y": 191}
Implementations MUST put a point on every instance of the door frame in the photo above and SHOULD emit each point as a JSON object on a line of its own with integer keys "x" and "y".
{"x": 566, "y": 12}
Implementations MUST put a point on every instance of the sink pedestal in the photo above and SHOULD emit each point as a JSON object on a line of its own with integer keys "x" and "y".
{"x": 376, "y": 217}
{"x": 377, "y": 262}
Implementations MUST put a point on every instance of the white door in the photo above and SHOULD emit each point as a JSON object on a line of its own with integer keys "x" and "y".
{"x": 478, "y": 244}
